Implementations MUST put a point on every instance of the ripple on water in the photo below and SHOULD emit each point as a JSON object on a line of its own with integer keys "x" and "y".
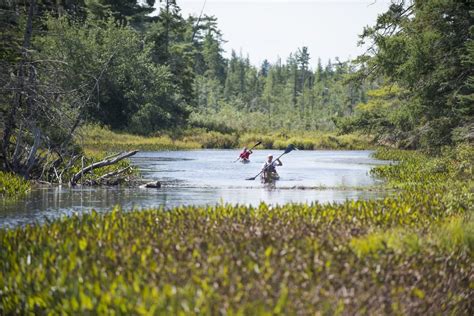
{"x": 208, "y": 177}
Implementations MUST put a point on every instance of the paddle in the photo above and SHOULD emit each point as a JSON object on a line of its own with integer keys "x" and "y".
{"x": 287, "y": 150}
{"x": 258, "y": 143}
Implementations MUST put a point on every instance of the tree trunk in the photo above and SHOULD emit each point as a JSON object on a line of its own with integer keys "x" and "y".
{"x": 16, "y": 102}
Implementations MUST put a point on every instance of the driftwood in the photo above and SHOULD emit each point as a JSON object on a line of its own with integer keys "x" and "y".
{"x": 112, "y": 174}
{"x": 103, "y": 163}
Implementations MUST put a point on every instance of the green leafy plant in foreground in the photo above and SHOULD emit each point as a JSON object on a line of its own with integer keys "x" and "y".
{"x": 408, "y": 253}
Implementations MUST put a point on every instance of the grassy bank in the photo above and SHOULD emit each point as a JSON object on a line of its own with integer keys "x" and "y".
{"x": 410, "y": 253}
{"x": 13, "y": 186}
{"x": 98, "y": 138}
{"x": 95, "y": 138}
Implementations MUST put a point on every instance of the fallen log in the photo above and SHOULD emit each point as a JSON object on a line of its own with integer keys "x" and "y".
{"x": 103, "y": 163}
{"x": 112, "y": 174}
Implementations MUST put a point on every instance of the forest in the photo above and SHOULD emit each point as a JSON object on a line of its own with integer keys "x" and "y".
{"x": 87, "y": 84}
{"x": 130, "y": 67}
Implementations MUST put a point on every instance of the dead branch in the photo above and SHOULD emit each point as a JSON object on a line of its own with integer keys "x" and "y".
{"x": 112, "y": 174}
{"x": 100, "y": 164}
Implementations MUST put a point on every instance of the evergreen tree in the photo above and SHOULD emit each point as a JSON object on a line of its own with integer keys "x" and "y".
{"x": 422, "y": 46}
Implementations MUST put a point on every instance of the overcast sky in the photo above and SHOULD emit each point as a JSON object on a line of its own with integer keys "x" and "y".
{"x": 268, "y": 29}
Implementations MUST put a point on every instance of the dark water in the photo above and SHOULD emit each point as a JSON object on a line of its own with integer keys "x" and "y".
{"x": 209, "y": 177}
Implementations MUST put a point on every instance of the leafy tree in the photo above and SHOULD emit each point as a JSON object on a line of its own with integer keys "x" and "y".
{"x": 132, "y": 91}
{"x": 423, "y": 46}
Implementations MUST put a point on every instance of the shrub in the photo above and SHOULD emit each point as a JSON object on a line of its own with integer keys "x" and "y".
{"x": 13, "y": 186}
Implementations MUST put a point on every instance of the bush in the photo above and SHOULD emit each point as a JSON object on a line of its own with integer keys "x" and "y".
{"x": 13, "y": 186}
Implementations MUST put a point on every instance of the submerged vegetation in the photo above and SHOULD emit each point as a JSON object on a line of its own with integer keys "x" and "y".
{"x": 376, "y": 256}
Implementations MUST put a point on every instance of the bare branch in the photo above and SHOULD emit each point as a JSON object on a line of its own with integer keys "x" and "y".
{"x": 100, "y": 164}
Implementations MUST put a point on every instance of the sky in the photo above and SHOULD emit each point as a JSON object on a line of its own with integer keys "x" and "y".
{"x": 269, "y": 29}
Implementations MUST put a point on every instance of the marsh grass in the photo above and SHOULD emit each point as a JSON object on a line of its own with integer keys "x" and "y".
{"x": 95, "y": 138}
{"x": 308, "y": 140}
{"x": 408, "y": 253}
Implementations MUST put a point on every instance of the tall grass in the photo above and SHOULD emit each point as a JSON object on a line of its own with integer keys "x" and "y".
{"x": 97, "y": 138}
{"x": 308, "y": 141}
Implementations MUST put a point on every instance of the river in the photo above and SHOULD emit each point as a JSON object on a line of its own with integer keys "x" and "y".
{"x": 209, "y": 177}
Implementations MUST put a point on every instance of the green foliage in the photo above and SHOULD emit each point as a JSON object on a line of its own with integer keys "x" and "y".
{"x": 454, "y": 234}
{"x": 123, "y": 11}
{"x": 412, "y": 42}
{"x": 13, "y": 186}
{"x": 417, "y": 169}
{"x": 276, "y": 97}
{"x": 241, "y": 261}
{"x": 132, "y": 91}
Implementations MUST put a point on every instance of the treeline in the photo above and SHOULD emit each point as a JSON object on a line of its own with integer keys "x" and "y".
{"x": 125, "y": 65}
{"x": 281, "y": 96}
{"x": 424, "y": 52}
{"x": 122, "y": 65}
{"x": 148, "y": 73}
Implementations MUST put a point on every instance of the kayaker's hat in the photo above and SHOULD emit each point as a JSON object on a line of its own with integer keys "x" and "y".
{"x": 270, "y": 156}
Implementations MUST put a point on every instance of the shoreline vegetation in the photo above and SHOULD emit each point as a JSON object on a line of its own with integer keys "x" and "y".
{"x": 98, "y": 142}
{"x": 69, "y": 67}
{"x": 374, "y": 256}
{"x": 12, "y": 186}
{"x": 95, "y": 138}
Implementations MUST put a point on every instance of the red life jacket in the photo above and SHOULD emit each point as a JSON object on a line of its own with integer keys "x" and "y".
{"x": 245, "y": 154}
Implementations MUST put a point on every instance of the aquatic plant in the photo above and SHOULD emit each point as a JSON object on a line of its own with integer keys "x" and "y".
{"x": 12, "y": 186}
{"x": 408, "y": 253}
{"x": 238, "y": 259}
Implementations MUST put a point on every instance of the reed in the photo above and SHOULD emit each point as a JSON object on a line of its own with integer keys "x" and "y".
{"x": 95, "y": 138}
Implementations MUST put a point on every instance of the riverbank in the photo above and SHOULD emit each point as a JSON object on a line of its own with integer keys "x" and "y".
{"x": 96, "y": 138}
{"x": 409, "y": 253}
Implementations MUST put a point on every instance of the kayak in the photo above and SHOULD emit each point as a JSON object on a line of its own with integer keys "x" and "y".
{"x": 269, "y": 177}
{"x": 244, "y": 160}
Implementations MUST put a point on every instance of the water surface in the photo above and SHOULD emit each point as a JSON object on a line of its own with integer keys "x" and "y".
{"x": 208, "y": 177}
